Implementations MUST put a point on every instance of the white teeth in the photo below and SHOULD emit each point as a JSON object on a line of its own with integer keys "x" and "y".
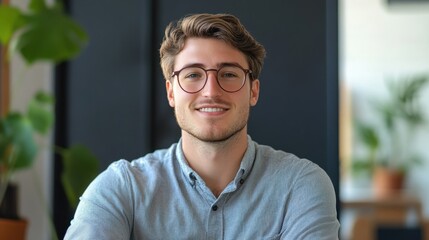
{"x": 211, "y": 109}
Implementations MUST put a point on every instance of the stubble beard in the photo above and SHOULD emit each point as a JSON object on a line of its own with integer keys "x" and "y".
{"x": 213, "y": 137}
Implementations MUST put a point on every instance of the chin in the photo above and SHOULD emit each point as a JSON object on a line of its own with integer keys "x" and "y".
{"x": 217, "y": 137}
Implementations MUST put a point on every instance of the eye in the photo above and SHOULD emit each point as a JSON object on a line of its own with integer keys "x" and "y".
{"x": 229, "y": 75}
{"x": 193, "y": 75}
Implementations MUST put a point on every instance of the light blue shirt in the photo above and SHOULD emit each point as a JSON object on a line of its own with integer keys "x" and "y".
{"x": 274, "y": 195}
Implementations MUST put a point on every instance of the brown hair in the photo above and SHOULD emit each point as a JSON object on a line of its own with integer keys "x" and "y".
{"x": 219, "y": 26}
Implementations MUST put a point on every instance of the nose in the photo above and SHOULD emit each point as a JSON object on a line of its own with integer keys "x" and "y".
{"x": 212, "y": 88}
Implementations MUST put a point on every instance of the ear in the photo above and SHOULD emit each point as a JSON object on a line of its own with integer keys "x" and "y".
{"x": 170, "y": 93}
{"x": 254, "y": 92}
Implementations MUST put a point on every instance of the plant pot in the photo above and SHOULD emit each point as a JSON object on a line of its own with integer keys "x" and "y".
{"x": 11, "y": 226}
{"x": 387, "y": 182}
{"x": 13, "y": 229}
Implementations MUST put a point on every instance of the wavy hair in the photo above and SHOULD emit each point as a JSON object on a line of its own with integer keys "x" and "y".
{"x": 224, "y": 27}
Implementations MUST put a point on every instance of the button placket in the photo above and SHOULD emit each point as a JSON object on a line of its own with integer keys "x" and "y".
{"x": 215, "y": 222}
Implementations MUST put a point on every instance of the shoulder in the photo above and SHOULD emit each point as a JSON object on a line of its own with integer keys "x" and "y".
{"x": 311, "y": 202}
{"x": 122, "y": 173}
{"x": 288, "y": 168}
{"x": 155, "y": 160}
{"x": 289, "y": 162}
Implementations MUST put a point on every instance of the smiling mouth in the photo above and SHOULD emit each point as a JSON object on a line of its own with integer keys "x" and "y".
{"x": 211, "y": 109}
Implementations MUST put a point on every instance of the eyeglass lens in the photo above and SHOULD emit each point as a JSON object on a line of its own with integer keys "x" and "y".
{"x": 230, "y": 78}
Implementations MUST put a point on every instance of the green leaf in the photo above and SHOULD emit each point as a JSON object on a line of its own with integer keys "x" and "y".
{"x": 37, "y": 5}
{"x": 80, "y": 168}
{"x": 368, "y": 135}
{"x": 49, "y": 35}
{"x": 388, "y": 113}
{"x": 403, "y": 104}
{"x": 17, "y": 138}
{"x": 9, "y": 19}
{"x": 360, "y": 166}
{"x": 40, "y": 112}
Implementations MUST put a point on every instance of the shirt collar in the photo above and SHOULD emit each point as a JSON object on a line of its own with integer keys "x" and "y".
{"x": 248, "y": 159}
{"x": 245, "y": 166}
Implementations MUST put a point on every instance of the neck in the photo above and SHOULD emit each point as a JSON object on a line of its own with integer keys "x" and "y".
{"x": 216, "y": 162}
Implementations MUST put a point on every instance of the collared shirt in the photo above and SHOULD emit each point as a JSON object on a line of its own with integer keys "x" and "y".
{"x": 274, "y": 195}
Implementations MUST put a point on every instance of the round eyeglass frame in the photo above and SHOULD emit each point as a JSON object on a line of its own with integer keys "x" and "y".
{"x": 246, "y": 72}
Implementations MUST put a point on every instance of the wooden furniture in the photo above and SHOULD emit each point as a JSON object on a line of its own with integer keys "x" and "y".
{"x": 398, "y": 211}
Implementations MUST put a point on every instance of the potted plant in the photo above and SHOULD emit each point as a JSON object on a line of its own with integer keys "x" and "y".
{"x": 41, "y": 32}
{"x": 388, "y": 143}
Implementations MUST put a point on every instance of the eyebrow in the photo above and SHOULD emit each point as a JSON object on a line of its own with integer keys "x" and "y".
{"x": 219, "y": 65}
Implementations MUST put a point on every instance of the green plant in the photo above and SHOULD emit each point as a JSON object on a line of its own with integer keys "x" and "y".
{"x": 387, "y": 142}
{"x": 41, "y": 33}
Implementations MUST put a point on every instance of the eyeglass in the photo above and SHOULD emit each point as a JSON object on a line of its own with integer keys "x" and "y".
{"x": 231, "y": 78}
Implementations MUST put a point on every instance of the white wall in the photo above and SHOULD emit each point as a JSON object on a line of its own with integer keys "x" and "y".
{"x": 379, "y": 42}
{"x": 35, "y": 184}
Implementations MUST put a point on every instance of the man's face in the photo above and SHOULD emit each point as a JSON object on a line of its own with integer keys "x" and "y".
{"x": 211, "y": 114}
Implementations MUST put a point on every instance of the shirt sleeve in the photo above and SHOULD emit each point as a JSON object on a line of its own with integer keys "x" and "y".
{"x": 105, "y": 208}
{"x": 312, "y": 207}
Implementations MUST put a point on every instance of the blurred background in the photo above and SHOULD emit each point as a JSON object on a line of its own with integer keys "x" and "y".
{"x": 384, "y": 69}
{"x": 327, "y": 73}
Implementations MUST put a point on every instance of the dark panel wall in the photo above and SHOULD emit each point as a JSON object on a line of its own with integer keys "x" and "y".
{"x": 116, "y": 95}
{"x": 109, "y": 84}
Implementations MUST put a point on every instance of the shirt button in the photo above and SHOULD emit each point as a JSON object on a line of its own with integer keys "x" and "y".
{"x": 192, "y": 176}
{"x": 214, "y": 208}
{"x": 241, "y": 181}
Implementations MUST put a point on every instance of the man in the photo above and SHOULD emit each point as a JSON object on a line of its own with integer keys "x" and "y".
{"x": 216, "y": 182}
